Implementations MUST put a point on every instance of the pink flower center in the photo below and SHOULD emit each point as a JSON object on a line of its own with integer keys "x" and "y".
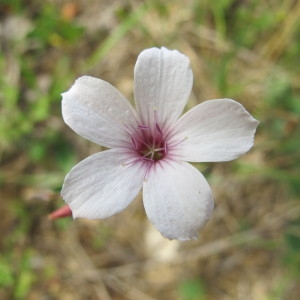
{"x": 149, "y": 143}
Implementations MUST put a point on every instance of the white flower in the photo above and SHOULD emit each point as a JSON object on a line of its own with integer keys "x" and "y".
{"x": 150, "y": 146}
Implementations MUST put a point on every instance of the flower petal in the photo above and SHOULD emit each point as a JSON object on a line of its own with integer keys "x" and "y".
{"x": 102, "y": 185}
{"x": 177, "y": 199}
{"x": 215, "y": 130}
{"x": 98, "y": 112}
{"x": 162, "y": 84}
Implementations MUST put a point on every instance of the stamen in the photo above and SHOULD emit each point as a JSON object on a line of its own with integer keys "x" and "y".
{"x": 158, "y": 128}
{"x": 150, "y": 144}
{"x": 147, "y": 158}
{"x": 153, "y": 144}
{"x": 148, "y": 153}
{"x": 129, "y": 162}
{"x": 166, "y": 148}
{"x": 158, "y": 149}
{"x": 133, "y": 142}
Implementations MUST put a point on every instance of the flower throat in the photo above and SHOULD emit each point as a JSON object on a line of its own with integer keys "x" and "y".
{"x": 150, "y": 144}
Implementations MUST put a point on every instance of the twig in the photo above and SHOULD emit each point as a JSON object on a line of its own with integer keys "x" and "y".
{"x": 191, "y": 255}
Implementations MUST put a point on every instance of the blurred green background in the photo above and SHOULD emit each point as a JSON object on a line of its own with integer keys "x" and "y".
{"x": 247, "y": 50}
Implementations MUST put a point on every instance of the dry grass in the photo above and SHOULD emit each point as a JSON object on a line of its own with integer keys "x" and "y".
{"x": 239, "y": 250}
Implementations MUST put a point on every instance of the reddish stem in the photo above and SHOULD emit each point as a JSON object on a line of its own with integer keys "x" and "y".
{"x": 61, "y": 212}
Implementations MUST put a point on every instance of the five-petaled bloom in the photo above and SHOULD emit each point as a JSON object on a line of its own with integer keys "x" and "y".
{"x": 150, "y": 147}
